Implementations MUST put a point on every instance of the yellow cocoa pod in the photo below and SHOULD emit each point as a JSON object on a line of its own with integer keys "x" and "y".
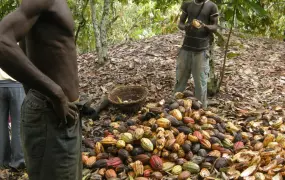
{"x": 146, "y": 144}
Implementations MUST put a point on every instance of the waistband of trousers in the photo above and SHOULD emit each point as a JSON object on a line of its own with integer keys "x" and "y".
{"x": 44, "y": 97}
{"x": 39, "y": 98}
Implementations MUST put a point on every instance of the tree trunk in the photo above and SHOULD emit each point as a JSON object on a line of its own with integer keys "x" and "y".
{"x": 97, "y": 33}
{"x": 100, "y": 30}
{"x": 82, "y": 22}
{"x": 103, "y": 30}
{"x": 226, "y": 51}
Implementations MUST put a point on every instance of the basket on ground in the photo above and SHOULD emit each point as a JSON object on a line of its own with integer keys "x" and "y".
{"x": 128, "y": 98}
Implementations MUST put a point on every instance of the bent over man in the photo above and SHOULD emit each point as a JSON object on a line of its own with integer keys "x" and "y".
{"x": 47, "y": 67}
{"x": 193, "y": 58}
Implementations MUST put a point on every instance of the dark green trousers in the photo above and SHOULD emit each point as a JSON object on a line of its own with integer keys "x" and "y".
{"x": 51, "y": 153}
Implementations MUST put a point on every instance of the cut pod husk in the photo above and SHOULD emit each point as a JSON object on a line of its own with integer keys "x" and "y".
{"x": 204, "y": 173}
{"x": 137, "y": 167}
{"x": 259, "y": 176}
{"x": 268, "y": 138}
{"x": 249, "y": 171}
{"x": 90, "y": 161}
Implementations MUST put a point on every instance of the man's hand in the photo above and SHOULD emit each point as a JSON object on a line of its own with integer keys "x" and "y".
{"x": 210, "y": 28}
{"x": 66, "y": 111}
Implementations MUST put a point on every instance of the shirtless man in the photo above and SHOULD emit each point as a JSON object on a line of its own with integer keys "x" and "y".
{"x": 46, "y": 65}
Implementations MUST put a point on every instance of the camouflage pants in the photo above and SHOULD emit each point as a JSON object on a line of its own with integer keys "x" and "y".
{"x": 197, "y": 64}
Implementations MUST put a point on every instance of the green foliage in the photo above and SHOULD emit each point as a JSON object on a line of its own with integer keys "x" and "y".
{"x": 255, "y": 16}
{"x": 82, "y": 16}
{"x": 136, "y": 19}
{"x": 7, "y": 6}
{"x": 165, "y": 4}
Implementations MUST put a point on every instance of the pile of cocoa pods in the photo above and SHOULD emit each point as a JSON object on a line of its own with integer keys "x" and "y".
{"x": 177, "y": 139}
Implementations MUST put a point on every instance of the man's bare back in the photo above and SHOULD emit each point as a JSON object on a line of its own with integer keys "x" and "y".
{"x": 47, "y": 27}
{"x": 47, "y": 66}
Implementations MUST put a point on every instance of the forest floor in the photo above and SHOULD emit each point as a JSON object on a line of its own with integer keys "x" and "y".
{"x": 254, "y": 78}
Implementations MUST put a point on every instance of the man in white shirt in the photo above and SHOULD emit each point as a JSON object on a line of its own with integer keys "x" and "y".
{"x": 11, "y": 98}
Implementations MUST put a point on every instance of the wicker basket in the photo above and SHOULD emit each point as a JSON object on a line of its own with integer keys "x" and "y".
{"x": 128, "y": 98}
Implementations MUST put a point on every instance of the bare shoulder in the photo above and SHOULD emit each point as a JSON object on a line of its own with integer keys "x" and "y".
{"x": 33, "y": 7}
{"x": 211, "y": 3}
{"x": 17, "y": 24}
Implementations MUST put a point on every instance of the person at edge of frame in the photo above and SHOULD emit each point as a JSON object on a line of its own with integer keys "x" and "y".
{"x": 11, "y": 97}
{"x": 193, "y": 57}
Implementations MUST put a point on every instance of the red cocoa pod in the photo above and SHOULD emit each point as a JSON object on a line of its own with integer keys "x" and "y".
{"x": 147, "y": 173}
{"x": 156, "y": 163}
{"x": 188, "y": 120}
{"x": 198, "y": 135}
{"x": 114, "y": 162}
{"x": 238, "y": 145}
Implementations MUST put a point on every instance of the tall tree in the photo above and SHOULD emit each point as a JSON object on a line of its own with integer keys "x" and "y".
{"x": 101, "y": 20}
{"x": 100, "y": 31}
{"x": 82, "y": 19}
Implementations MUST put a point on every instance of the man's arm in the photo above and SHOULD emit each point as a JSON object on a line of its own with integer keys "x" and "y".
{"x": 214, "y": 24}
{"x": 13, "y": 28}
{"x": 182, "y": 26}
{"x": 22, "y": 45}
